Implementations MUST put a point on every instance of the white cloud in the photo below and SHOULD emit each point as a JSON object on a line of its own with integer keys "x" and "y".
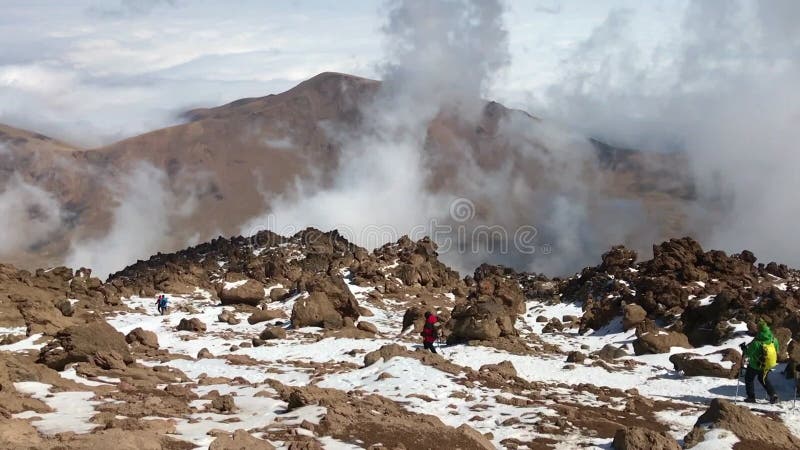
{"x": 29, "y": 216}
{"x": 141, "y": 222}
{"x": 94, "y": 78}
{"x": 726, "y": 90}
{"x": 440, "y": 54}
{"x": 101, "y": 70}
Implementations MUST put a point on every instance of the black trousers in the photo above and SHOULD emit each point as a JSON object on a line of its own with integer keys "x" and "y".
{"x": 429, "y": 346}
{"x": 750, "y": 375}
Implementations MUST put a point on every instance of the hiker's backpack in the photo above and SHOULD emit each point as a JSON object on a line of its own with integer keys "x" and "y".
{"x": 425, "y": 330}
{"x": 769, "y": 356}
{"x": 162, "y": 302}
{"x": 428, "y": 330}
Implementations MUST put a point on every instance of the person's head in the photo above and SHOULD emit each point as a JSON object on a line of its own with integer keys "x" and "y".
{"x": 427, "y": 314}
{"x": 762, "y": 325}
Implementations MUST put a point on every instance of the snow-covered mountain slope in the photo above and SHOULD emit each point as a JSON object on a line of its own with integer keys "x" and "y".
{"x": 219, "y": 362}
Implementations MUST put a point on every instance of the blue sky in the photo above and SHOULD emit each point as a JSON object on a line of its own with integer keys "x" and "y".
{"x": 93, "y": 71}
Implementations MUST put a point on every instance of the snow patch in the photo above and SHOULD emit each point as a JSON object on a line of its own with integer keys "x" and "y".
{"x": 707, "y": 300}
{"x": 72, "y": 410}
{"x": 717, "y": 439}
{"x": 24, "y": 345}
{"x": 229, "y": 285}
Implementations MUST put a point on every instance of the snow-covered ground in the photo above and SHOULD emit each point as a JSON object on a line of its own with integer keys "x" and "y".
{"x": 71, "y": 410}
{"x": 420, "y": 388}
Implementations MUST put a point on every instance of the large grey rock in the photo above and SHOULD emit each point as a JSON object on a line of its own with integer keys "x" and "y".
{"x": 316, "y": 310}
{"x": 249, "y": 292}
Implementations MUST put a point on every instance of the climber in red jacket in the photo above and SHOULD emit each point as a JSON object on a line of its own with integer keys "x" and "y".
{"x": 429, "y": 332}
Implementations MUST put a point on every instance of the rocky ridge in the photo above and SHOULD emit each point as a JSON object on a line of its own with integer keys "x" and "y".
{"x": 280, "y": 313}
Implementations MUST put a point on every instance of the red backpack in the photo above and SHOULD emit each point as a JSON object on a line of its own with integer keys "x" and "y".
{"x": 428, "y": 330}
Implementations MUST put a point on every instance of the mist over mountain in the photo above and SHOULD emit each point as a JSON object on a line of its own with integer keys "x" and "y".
{"x": 314, "y": 156}
{"x": 618, "y": 151}
{"x": 419, "y": 224}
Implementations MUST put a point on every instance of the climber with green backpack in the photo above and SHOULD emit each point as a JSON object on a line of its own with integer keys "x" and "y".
{"x": 762, "y": 357}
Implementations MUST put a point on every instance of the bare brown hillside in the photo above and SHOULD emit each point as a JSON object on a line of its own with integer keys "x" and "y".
{"x": 231, "y": 158}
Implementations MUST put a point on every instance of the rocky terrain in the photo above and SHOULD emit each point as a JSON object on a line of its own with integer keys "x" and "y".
{"x": 309, "y": 341}
{"x": 235, "y": 159}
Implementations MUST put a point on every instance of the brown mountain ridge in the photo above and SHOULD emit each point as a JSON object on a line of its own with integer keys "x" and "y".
{"x": 226, "y": 162}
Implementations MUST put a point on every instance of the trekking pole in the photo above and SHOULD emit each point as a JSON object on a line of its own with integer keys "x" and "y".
{"x": 439, "y": 341}
{"x": 738, "y": 380}
{"x": 741, "y": 369}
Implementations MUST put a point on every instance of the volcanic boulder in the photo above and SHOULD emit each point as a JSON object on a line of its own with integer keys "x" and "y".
{"x": 504, "y": 368}
{"x": 754, "y": 431}
{"x": 722, "y": 364}
{"x": 367, "y": 326}
{"x": 659, "y": 294}
{"x": 637, "y": 438}
{"x": 481, "y": 320}
{"x": 491, "y": 308}
{"x": 417, "y": 264}
{"x": 239, "y": 440}
{"x": 553, "y": 326}
{"x": 316, "y": 310}
{"x": 223, "y": 404}
{"x": 793, "y": 363}
{"x": 142, "y": 337}
{"x": 177, "y": 279}
{"x": 328, "y": 304}
{"x": 194, "y": 325}
{"x": 669, "y": 288}
{"x": 684, "y": 260}
{"x": 378, "y": 422}
{"x": 576, "y": 357}
{"x": 677, "y": 257}
{"x": 778, "y": 270}
{"x": 500, "y": 284}
{"x": 617, "y": 260}
{"x": 93, "y": 342}
{"x": 228, "y": 317}
{"x": 277, "y": 294}
{"x": 39, "y": 301}
{"x": 109, "y": 360}
{"x": 706, "y": 323}
{"x": 659, "y": 341}
{"x": 386, "y": 353}
{"x": 264, "y": 315}
{"x": 632, "y": 315}
{"x": 247, "y": 291}
{"x": 609, "y": 353}
{"x": 272, "y": 333}
{"x": 41, "y": 315}
{"x": 783, "y": 335}
{"x": 337, "y": 292}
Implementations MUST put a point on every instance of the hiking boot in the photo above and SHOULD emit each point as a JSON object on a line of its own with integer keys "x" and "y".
{"x": 774, "y": 399}
{"x": 750, "y": 400}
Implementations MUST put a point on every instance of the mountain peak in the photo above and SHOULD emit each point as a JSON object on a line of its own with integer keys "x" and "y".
{"x": 324, "y": 89}
{"x": 24, "y": 139}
